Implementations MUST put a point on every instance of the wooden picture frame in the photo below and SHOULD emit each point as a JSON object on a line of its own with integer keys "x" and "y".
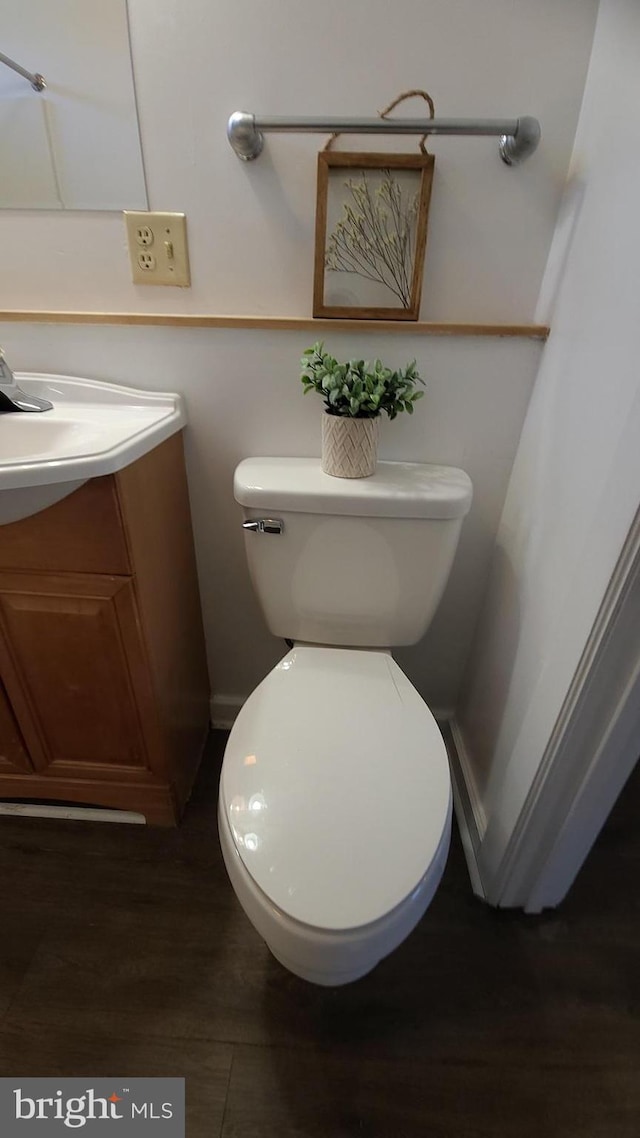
{"x": 371, "y": 233}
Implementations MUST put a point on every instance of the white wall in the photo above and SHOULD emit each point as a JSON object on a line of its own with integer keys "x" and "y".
{"x": 575, "y": 486}
{"x": 251, "y": 224}
{"x": 251, "y": 243}
{"x": 244, "y": 397}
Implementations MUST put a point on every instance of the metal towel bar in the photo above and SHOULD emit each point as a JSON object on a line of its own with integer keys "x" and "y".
{"x": 518, "y": 137}
{"x": 37, "y": 81}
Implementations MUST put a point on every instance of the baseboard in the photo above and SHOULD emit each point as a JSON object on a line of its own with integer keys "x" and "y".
{"x": 475, "y": 807}
{"x": 224, "y": 710}
{"x": 70, "y": 813}
{"x": 471, "y": 818}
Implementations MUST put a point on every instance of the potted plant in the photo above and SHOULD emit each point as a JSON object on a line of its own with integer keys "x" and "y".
{"x": 355, "y": 394}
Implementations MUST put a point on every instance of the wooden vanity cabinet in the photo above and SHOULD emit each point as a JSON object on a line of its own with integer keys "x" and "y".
{"x": 13, "y": 754}
{"x": 104, "y": 691}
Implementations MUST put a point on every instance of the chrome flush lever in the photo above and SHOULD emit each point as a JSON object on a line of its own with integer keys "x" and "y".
{"x": 264, "y": 525}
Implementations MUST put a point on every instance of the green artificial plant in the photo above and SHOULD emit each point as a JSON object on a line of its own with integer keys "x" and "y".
{"x": 359, "y": 389}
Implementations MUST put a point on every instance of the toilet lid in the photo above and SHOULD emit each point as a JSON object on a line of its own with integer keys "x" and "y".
{"x": 336, "y": 786}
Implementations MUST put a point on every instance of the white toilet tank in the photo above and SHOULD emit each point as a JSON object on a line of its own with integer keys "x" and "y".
{"x": 360, "y": 562}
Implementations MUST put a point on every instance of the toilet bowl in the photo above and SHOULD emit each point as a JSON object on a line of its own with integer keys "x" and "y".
{"x": 335, "y": 810}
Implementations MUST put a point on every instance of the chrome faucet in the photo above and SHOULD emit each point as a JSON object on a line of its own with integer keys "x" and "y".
{"x": 12, "y": 397}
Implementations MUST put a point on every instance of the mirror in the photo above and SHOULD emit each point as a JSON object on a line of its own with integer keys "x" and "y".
{"x": 76, "y": 144}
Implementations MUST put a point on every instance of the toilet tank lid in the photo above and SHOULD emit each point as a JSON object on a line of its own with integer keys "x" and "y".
{"x": 396, "y": 490}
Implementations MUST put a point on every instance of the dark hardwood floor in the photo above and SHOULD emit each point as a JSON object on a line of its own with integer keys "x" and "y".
{"x": 123, "y": 951}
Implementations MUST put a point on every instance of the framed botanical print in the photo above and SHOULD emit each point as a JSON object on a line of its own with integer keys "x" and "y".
{"x": 371, "y": 233}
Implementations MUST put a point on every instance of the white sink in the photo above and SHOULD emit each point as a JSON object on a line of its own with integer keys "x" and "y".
{"x": 94, "y": 428}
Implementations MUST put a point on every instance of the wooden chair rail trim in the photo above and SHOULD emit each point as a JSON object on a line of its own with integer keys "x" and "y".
{"x": 279, "y": 323}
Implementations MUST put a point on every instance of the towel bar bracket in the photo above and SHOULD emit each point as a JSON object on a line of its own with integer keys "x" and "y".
{"x": 37, "y": 81}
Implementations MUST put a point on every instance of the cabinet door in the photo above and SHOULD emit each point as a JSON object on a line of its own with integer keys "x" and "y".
{"x": 72, "y": 659}
{"x": 13, "y": 756}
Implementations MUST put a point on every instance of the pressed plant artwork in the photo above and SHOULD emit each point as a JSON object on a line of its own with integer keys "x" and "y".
{"x": 375, "y": 236}
{"x": 371, "y": 224}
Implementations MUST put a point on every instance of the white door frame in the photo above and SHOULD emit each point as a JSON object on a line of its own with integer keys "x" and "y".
{"x": 591, "y": 752}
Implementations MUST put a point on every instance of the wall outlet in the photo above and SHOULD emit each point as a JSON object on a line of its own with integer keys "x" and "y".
{"x": 144, "y": 235}
{"x": 158, "y": 248}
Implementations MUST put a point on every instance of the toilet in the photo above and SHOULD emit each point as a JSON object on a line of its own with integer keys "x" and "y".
{"x": 335, "y": 801}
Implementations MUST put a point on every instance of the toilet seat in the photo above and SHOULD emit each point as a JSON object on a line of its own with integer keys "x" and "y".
{"x": 325, "y": 956}
{"x": 335, "y": 788}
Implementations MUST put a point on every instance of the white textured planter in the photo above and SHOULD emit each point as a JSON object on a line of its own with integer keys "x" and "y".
{"x": 349, "y": 446}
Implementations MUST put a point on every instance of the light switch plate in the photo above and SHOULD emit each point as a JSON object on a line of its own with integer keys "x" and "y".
{"x": 158, "y": 248}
